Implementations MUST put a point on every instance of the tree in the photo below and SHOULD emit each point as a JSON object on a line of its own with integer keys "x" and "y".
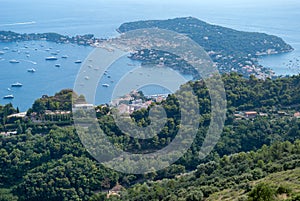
{"x": 262, "y": 192}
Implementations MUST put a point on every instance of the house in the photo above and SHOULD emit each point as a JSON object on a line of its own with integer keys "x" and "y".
{"x": 263, "y": 114}
{"x": 124, "y": 109}
{"x": 18, "y": 115}
{"x": 115, "y": 191}
{"x": 250, "y": 114}
{"x": 77, "y": 107}
{"x": 297, "y": 115}
{"x": 282, "y": 113}
{"x": 9, "y": 133}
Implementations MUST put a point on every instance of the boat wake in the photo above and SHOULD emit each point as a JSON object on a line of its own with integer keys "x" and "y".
{"x": 32, "y": 62}
{"x": 18, "y": 23}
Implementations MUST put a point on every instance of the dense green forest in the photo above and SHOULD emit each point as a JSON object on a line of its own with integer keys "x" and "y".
{"x": 235, "y": 172}
{"x": 46, "y": 160}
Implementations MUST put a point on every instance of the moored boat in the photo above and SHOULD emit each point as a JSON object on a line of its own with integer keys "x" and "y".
{"x": 52, "y": 58}
{"x": 8, "y": 96}
{"x": 31, "y": 70}
{"x": 17, "y": 84}
{"x": 14, "y": 61}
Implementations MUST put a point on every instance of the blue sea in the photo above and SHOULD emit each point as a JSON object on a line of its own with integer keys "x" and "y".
{"x": 102, "y": 18}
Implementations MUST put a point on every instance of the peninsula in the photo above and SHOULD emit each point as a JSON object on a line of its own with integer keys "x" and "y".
{"x": 231, "y": 50}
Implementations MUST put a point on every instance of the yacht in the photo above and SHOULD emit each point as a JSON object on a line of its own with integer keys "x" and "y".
{"x": 13, "y": 61}
{"x": 57, "y": 65}
{"x": 105, "y": 85}
{"x": 78, "y": 62}
{"x": 64, "y": 56}
{"x": 17, "y": 84}
{"x": 31, "y": 70}
{"x": 52, "y": 58}
{"x": 8, "y": 96}
{"x": 1, "y": 52}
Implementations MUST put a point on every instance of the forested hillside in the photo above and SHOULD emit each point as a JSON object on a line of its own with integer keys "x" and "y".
{"x": 45, "y": 160}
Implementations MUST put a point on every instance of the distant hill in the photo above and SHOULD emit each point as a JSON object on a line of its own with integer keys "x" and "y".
{"x": 214, "y": 37}
{"x": 232, "y": 50}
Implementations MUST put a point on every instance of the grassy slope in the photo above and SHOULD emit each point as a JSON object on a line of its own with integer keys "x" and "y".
{"x": 289, "y": 178}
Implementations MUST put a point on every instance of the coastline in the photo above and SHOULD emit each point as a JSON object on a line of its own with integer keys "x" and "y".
{"x": 245, "y": 62}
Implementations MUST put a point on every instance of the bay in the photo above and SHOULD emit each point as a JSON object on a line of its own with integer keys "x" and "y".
{"x": 102, "y": 18}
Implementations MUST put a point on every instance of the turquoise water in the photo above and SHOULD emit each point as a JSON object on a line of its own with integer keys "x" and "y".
{"x": 103, "y": 17}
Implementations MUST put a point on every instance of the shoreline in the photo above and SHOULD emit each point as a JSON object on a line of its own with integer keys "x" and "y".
{"x": 90, "y": 40}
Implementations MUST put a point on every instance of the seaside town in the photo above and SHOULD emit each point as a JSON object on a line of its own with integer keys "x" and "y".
{"x": 127, "y": 105}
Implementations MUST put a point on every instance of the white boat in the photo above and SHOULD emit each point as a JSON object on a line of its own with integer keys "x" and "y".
{"x": 57, "y": 65}
{"x": 105, "y": 85}
{"x": 64, "y": 56}
{"x": 17, "y": 84}
{"x": 1, "y": 52}
{"x": 31, "y": 70}
{"x": 13, "y": 61}
{"x": 52, "y": 58}
{"x": 78, "y": 62}
{"x": 87, "y": 77}
{"x": 8, "y": 96}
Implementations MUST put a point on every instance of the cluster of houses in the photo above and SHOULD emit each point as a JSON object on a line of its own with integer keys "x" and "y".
{"x": 253, "y": 114}
{"x": 128, "y": 104}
